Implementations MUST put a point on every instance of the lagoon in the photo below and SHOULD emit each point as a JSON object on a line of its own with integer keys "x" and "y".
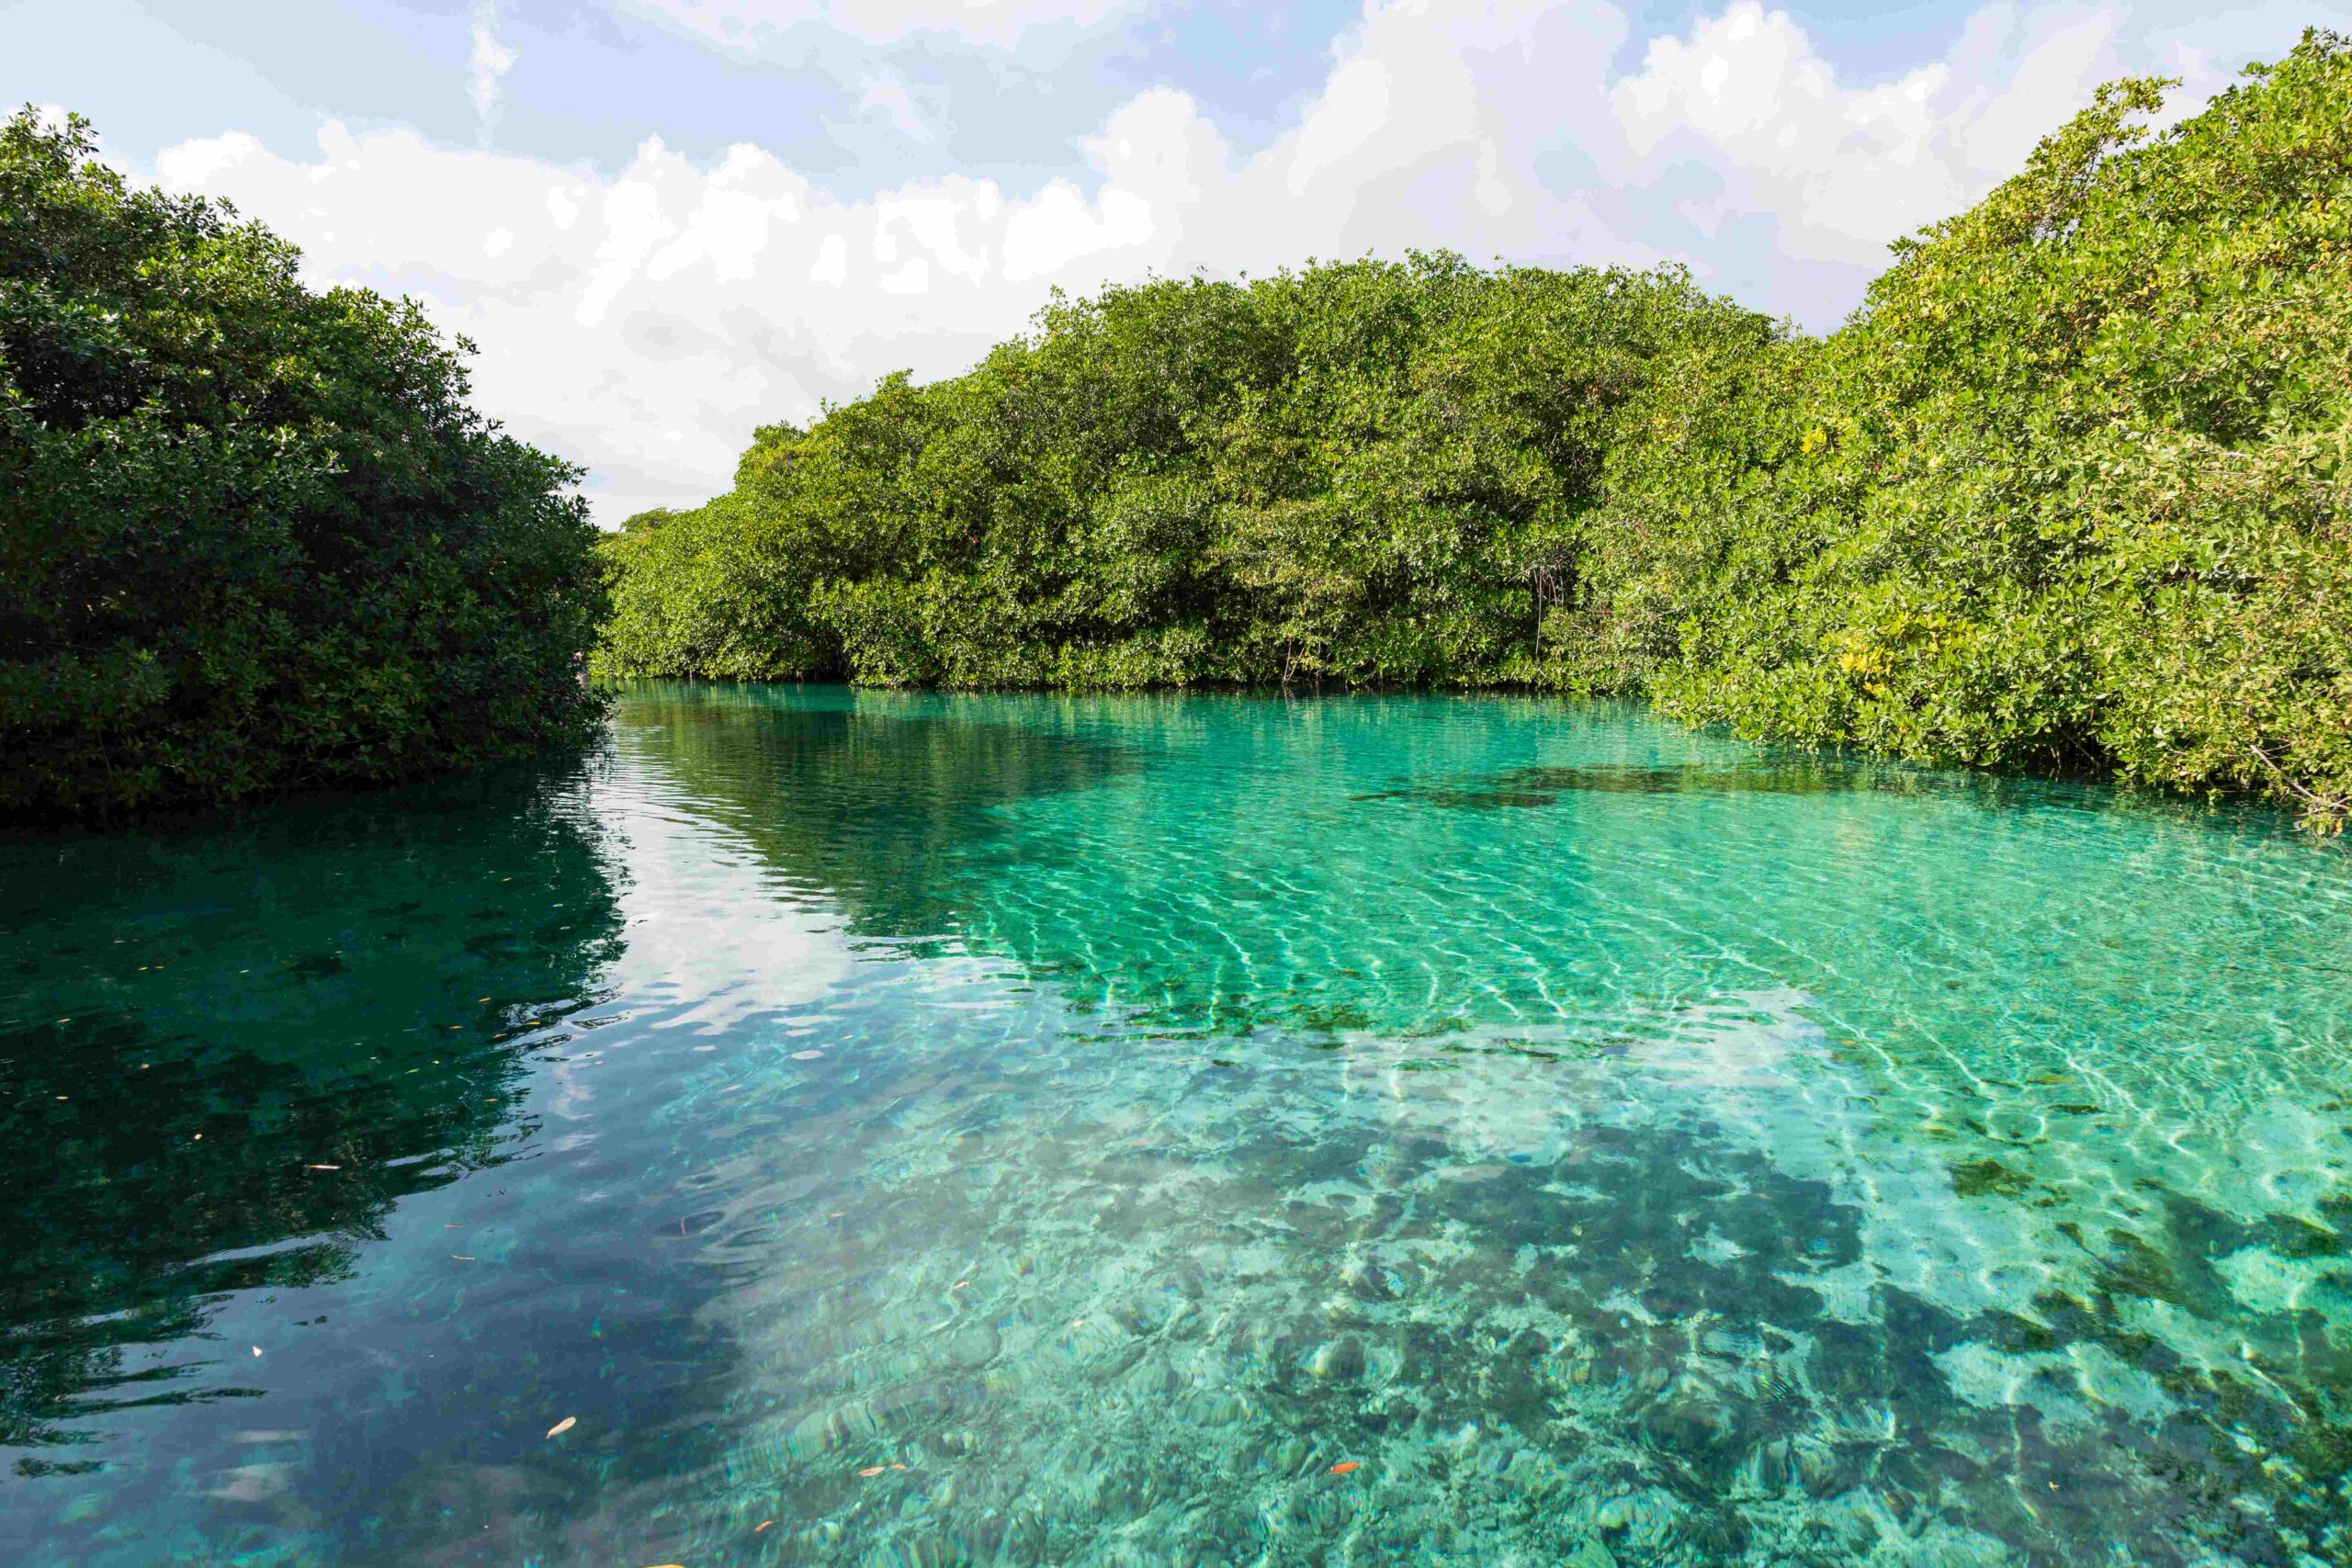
{"x": 918, "y": 1129}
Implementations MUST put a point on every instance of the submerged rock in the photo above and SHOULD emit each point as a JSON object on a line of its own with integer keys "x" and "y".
{"x": 1337, "y": 1361}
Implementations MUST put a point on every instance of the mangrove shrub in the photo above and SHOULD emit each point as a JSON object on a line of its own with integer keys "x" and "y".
{"x": 251, "y": 537}
{"x": 1369, "y": 473}
{"x": 2071, "y": 488}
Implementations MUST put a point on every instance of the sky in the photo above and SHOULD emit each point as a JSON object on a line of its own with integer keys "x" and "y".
{"x": 665, "y": 223}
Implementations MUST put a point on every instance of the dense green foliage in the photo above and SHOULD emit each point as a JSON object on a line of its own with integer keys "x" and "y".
{"x": 252, "y": 538}
{"x": 1363, "y": 473}
{"x": 2068, "y": 490}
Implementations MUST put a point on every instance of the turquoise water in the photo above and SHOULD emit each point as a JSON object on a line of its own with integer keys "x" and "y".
{"x": 923, "y": 1130}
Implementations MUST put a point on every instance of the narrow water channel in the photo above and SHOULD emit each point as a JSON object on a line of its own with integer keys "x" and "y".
{"x": 889, "y": 1129}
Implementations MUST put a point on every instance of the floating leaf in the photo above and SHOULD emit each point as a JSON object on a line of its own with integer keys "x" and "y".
{"x": 1346, "y": 1465}
{"x": 566, "y": 1424}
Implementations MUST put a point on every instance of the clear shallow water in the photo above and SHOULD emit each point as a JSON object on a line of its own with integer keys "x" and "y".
{"x": 1621, "y": 1145}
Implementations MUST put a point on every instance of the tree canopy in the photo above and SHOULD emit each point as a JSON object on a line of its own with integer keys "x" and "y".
{"x": 251, "y": 537}
{"x": 1367, "y": 473}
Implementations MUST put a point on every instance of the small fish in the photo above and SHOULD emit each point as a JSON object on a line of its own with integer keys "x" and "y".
{"x": 1346, "y": 1465}
{"x": 566, "y": 1424}
{"x": 764, "y": 1524}
{"x": 323, "y": 1167}
{"x": 257, "y": 1349}
{"x": 463, "y": 1257}
{"x": 871, "y": 1470}
{"x": 805, "y": 1055}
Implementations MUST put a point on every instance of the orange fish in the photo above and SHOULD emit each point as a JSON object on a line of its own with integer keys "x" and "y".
{"x": 1346, "y": 1465}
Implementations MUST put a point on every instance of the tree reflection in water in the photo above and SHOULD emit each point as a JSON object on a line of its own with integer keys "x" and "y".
{"x": 225, "y": 1090}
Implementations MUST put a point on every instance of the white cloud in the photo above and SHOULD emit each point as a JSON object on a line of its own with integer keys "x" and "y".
{"x": 644, "y": 321}
{"x": 1354, "y": 108}
{"x": 744, "y": 25}
{"x": 491, "y": 62}
{"x": 1846, "y": 168}
{"x": 833, "y": 260}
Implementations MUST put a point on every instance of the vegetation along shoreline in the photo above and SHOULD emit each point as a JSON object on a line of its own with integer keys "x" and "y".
{"x": 2068, "y": 491}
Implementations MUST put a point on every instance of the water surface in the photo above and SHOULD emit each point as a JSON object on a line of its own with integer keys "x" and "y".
{"x": 923, "y": 1130}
